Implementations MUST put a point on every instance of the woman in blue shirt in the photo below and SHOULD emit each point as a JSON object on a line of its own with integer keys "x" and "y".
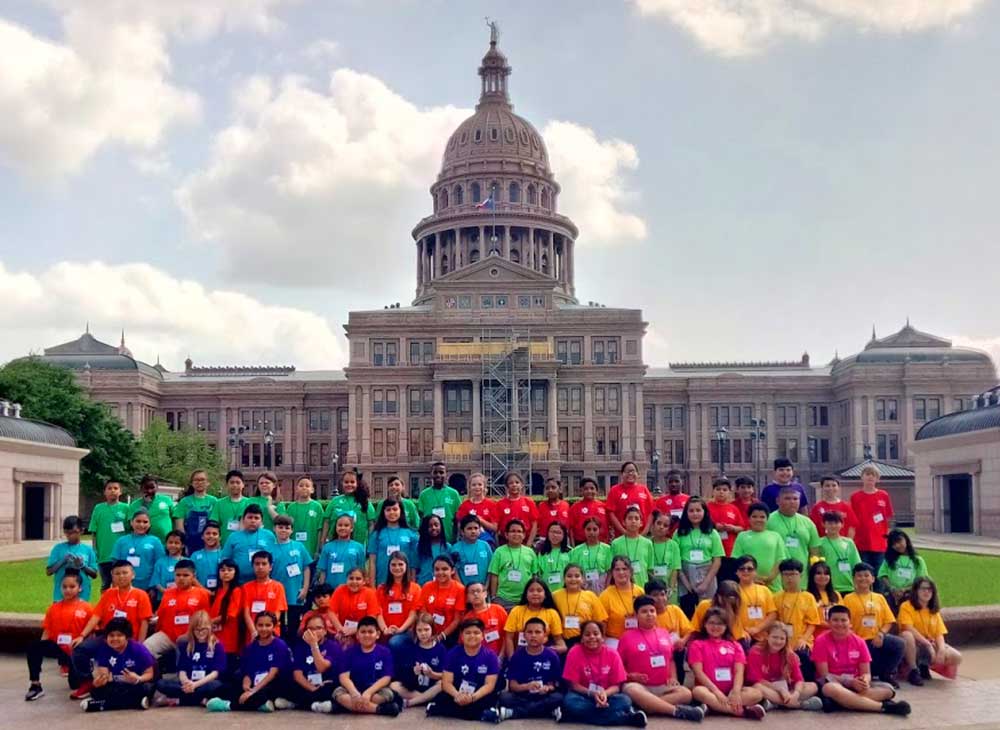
{"x": 391, "y": 534}
{"x": 140, "y": 549}
{"x": 339, "y": 557}
{"x": 471, "y": 555}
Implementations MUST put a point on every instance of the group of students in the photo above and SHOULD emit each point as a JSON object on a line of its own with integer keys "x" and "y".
{"x": 490, "y": 610}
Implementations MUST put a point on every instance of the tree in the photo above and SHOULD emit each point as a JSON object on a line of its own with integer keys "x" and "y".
{"x": 173, "y": 455}
{"x": 50, "y": 393}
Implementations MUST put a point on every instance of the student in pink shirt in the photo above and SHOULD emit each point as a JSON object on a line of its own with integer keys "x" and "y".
{"x": 844, "y": 670}
{"x": 594, "y": 674}
{"x": 774, "y": 669}
{"x": 718, "y": 663}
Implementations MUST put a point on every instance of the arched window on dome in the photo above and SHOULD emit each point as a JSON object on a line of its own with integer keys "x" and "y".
{"x": 515, "y": 256}
{"x": 514, "y": 193}
{"x": 545, "y": 263}
{"x": 545, "y": 198}
{"x": 444, "y": 263}
{"x": 473, "y": 255}
{"x": 459, "y": 195}
{"x": 532, "y": 195}
{"x": 477, "y": 192}
{"x": 444, "y": 198}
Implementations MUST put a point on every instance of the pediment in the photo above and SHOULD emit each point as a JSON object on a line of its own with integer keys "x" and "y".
{"x": 493, "y": 270}
{"x": 909, "y": 336}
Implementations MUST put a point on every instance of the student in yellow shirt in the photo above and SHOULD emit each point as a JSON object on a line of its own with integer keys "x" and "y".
{"x": 923, "y": 630}
{"x": 536, "y": 602}
{"x": 672, "y": 619}
{"x": 757, "y": 611}
{"x": 730, "y": 600}
{"x": 798, "y": 614}
{"x": 872, "y": 620}
{"x": 577, "y": 605}
{"x": 617, "y": 600}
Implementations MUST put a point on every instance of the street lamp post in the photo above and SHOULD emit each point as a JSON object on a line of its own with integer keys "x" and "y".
{"x": 758, "y": 435}
{"x": 721, "y": 434}
{"x": 235, "y": 444}
{"x": 334, "y": 473}
{"x": 655, "y": 458}
{"x": 269, "y": 450}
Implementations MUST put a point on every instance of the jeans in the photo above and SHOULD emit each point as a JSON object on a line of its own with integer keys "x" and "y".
{"x": 172, "y": 688}
{"x": 806, "y": 664}
{"x": 83, "y": 655}
{"x": 873, "y": 558}
{"x": 105, "y": 571}
{"x": 303, "y": 698}
{"x": 445, "y": 706}
{"x": 886, "y": 659}
{"x": 581, "y": 708}
{"x": 48, "y": 648}
{"x": 400, "y": 643}
{"x": 118, "y": 696}
{"x": 254, "y": 701}
{"x": 526, "y": 705}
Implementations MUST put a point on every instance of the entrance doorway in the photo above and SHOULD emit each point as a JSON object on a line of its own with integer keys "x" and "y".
{"x": 457, "y": 482}
{"x": 958, "y": 503}
{"x": 537, "y": 483}
{"x": 34, "y": 512}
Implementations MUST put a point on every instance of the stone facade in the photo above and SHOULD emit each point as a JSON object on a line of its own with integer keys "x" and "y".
{"x": 495, "y": 263}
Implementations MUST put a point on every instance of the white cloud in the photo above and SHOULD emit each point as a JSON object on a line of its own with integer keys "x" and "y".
{"x": 989, "y": 345}
{"x": 161, "y": 316}
{"x": 591, "y": 174}
{"x": 321, "y": 51}
{"x": 106, "y": 81}
{"x": 743, "y": 27}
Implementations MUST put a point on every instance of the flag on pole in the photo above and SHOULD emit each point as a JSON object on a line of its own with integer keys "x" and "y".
{"x": 487, "y": 204}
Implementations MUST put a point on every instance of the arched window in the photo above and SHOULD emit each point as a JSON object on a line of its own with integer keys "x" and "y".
{"x": 545, "y": 264}
{"x": 473, "y": 255}
{"x": 444, "y": 198}
{"x": 545, "y": 198}
{"x": 514, "y": 193}
{"x": 444, "y": 263}
{"x": 477, "y": 192}
{"x": 459, "y": 195}
{"x": 515, "y": 256}
{"x": 532, "y": 195}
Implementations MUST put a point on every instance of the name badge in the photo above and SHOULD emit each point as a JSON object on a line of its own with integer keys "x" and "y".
{"x": 64, "y": 639}
{"x": 554, "y": 579}
{"x": 258, "y": 678}
{"x": 844, "y": 566}
{"x": 492, "y": 636}
{"x": 233, "y": 525}
{"x": 660, "y": 570}
{"x": 611, "y": 643}
{"x": 868, "y": 622}
{"x": 120, "y": 614}
{"x": 594, "y": 687}
{"x": 439, "y": 511}
{"x": 466, "y": 687}
{"x": 470, "y": 569}
{"x": 293, "y": 570}
{"x": 118, "y": 526}
{"x": 877, "y": 517}
{"x": 135, "y": 560}
{"x": 657, "y": 660}
{"x": 636, "y": 566}
{"x": 315, "y": 679}
{"x": 521, "y": 641}
{"x": 791, "y": 541}
{"x": 723, "y": 535}
{"x": 197, "y": 674}
{"x": 755, "y": 612}
{"x": 676, "y": 513}
{"x": 631, "y": 622}
{"x": 302, "y": 536}
{"x": 182, "y": 620}
{"x": 789, "y": 630}
{"x": 514, "y": 576}
{"x": 250, "y": 553}
{"x": 336, "y": 567}
{"x": 439, "y": 619}
{"x": 396, "y": 607}
{"x": 905, "y": 573}
{"x": 572, "y": 622}
{"x": 211, "y": 582}
{"x": 723, "y": 674}
{"x": 392, "y": 549}
{"x": 257, "y": 607}
{"x": 592, "y": 576}
{"x": 697, "y": 555}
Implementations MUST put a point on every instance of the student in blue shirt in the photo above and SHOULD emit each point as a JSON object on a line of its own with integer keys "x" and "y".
{"x": 163, "y": 571}
{"x": 469, "y": 684}
{"x": 389, "y": 535}
{"x": 206, "y": 560}
{"x": 140, "y": 549}
{"x": 534, "y": 674}
{"x": 261, "y": 665}
{"x": 201, "y": 665}
{"x": 292, "y": 568}
{"x": 365, "y": 676}
{"x": 72, "y": 554}
{"x": 339, "y": 557}
{"x": 432, "y": 543}
{"x": 317, "y": 661}
{"x": 471, "y": 555}
{"x": 242, "y": 544}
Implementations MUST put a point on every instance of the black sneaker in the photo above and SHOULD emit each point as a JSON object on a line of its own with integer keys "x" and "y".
{"x": 389, "y": 709}
{"x": 687, "y": 712}
{"x": 754, "y": 712}
{"x": 636, "y": 719}
{"x": 894, "y": 707}
{"x": 914, "y": 678}
{"x": 34, "y": 692}
{"x": 491, "y": 716}
{"x": 890, "y": 680}
{"x": 925, "y": 671}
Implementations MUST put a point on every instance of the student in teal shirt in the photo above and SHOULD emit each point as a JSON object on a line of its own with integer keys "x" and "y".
{"x": 140, "y": 549}
{"x": 159, "y": 507}
{"x": 206, "y": 560}
{"x": 306, "y": 514}
{"x": 292, "y": 569}
{"x": 163, "y": 573}
{"x": 243, "y": 544}
{"x": 397, "y": 490}
{"x": 390, "y": 534}
{"x": 431, "y": 544}
{"x": 471, "y": 555}
{"x": 339, "y": 557}
{"x": 72, "y": 554}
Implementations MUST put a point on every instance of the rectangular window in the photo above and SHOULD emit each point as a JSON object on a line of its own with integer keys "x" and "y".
{"x": 451, "y": 402}
{"x": 819, "y": 416}
{"x": 378, "y": 443}
{"x": 613, "y": 441}
{"x": 576, "y": 351}
{"x": 415, "y": 401}
{"x": 378, "y": 401}
{"x": 881, "y": 446}
{"x": 600, "y": 437}
{"x": 523, "y": 301}
{"x": 391, "y": 442}
{"x": 428, "y": 401}
{"x": 538, "y": 434}
{"x": 465, "y": 301}
{"x": 891, "y": 412}
{"x": 576, "y": 442}
{"x": 920, "y": 409}
{"x": 414, "y": 446}
{"x": 538, "y": 300}
{"x": 614, "y": 399}
{"x": 880, "y": 409}
{"x": 562, "y": 400}
{"x": 564, "y": 440}
{"x": 255, "y": 454}
{"x": 538, "y": 400}
{"x": 893, "y": 446}
{"x": 576, "y": 400}
{"x": 562, "y": 351}
{"x": 748, "y": 451}
{"x": 613, "y": 351}
{"x": 933, "y": 409}
{"x": 391, "y": 401}
{"x": 378, "y": 354}
{"x": 649, "y": 418}
{"x": 779, "y": 415}
{"x": 324, "y": 454}
{"x": 679, "y": 451}
{"x": 313, "y": 454}
{"x": 598, "y": 352}
{"x": 713, "y": 416}
{"x": 599, "y": 395}
{"x": 415, "y": 357}
{"x": 486, "y": 302}
{"x": 737, "y": 449}
{"x": 428, "y": 442}
{"x": 724, "y": 416}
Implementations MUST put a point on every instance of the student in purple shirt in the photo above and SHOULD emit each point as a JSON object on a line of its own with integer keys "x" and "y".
{"x": 469, "y": 684}
{"x": 262, "y": 663}
{"x": 316, "y": 663}
{"x": 533, "y": 677}
{"x": 365, "y": 676}
{"x": 784, "y": 471}
{"x": 123, "y": 672}
{"x": 201, "y": 664}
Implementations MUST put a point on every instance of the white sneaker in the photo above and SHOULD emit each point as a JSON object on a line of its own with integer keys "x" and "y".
{"x": 323, "y": 707}
{"x": 505, "y": 713}
{"x": 282, "y": 704}
{"x": 84, "y": 704}
{"x": 144, "y": 704}
{"x": 557, "y": 714}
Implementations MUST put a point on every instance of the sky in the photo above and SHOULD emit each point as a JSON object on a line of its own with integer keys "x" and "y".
{"x": 226, "y": 179}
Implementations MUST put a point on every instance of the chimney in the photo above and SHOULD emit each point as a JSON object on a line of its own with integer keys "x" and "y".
{"x": 16, "y": 410}
{"x": 4, "y": 408}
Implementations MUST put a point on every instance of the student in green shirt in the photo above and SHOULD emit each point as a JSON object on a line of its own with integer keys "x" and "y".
{"x": 839, "y": 553}
{"x": 228, "y": 511}
{"x": 397, "y": 490}
{"x": 267, "y": 498}
{"x": 766, "y": 546}
{"x": 108, "y": 522}
{"x": 666, "y": 560}
{"x": 633, "y": 545}
{"x": 306, "y": 514}
{"x": 441, "y": 500}
{"x": 191, "y": 513}
{"x": 553, "y": 557}
{"x": 593, "y": 557}
{"x": 900, "y": 568}
{"x": 701, "y": 553}
{"x": 158, "y": 506}
{"x": 797, "y": 530}
{"x": 353, "y": 500}
{"x": 511, "y": 567}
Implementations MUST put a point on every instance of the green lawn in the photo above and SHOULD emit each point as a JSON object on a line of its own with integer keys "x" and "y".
{"x": 964, "y": 580}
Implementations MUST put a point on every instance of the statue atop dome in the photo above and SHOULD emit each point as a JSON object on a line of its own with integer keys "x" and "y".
{"x": 494, "y": 30}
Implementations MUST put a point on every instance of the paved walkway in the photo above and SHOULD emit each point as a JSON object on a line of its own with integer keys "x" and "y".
{"x": 970, "y": 703}
{"x": 29, "y": 550}
{"x": 972, "y": 544}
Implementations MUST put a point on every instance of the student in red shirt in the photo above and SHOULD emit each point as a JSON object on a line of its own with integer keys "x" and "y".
{"x": 626, "y": 493}
{"x": 262, "y": 594}
{"x": 63, "y": 622}
{"x": 493, "y": 616}
{"x": 350, "y": 603}
{"x": 515, "y": 506}
{"x": 729, "y": 521}
{"x": 479, "y": 504}
{"x": 831, "y": 502}
{"x": 179, "y": 604}
{"x": 553, "y": 509}
{"x": 443, "y": 598}
{"x": 227, "y": 610}
{"x": 673, "y": 501}
{"x": 873, "y": 510}
{"x": 746, "y": 494}
{"x": 398, "y": 598}
{"x": 588, "y": 507}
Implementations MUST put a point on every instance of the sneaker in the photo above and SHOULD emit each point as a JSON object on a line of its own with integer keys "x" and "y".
{"x": 491, "y": 716}
{"x": 754, "y": 712}
{"x": 85, "y": 705}
{"x": 144, "y": 703}
{"x": 217, "y": 704}
{"x": 64, "y": 670}
{"x": 767, "y": 705}
{"x": 161, "y": 700}
{"x": 34, "y": 692}
{"x": 505, "y": 713}
{"x": 557, "y": 714}
{"x": 322, "y": 707}
{"x": 82, "y": 692}
{"x": 390, "y": 709}
{"x": 891, "y": 681}
{"x": 266, "y": 707}
{"x": 637, "y": 719}
{"x": 282, "y": 704}
{"x": 429, "y": 709}
{"x": 925, "y": 671}
{"x": 914, "y": 678}
{"x": 813, "y": 704}
{"x": 687, "y": 712}
{"x": 892, "y": 707}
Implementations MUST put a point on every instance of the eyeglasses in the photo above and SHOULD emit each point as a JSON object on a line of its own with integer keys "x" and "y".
{"x": 745, "y": 569}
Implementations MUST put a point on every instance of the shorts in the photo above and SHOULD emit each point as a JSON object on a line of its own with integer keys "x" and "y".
{"x": 924, "y": 655}
{"x": 385, "y": 694}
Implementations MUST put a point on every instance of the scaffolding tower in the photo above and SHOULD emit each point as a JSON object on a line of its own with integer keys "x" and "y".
{"x": 506, "y": 416}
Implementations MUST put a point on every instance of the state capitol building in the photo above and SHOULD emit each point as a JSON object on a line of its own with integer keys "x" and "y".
{"x": 497, "y": 365}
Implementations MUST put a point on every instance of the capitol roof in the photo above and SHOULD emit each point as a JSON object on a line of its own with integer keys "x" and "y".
{"x": 27, "y": 429}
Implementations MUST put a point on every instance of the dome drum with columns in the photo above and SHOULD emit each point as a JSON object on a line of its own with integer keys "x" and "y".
{"x": 495, "y": 154}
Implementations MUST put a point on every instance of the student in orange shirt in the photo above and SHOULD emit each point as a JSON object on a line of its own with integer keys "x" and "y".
{"x": 322, "y": 595}
{"x": 63, "y": 622}
{"x": 493, "y": 616}
{"x": 227, "y": 612}
{"x": 350, "y": 603}
{"x": 443, "y": 598}
{"x": 121, "y": 600}
{"x": 398, "y": 598}
{"x": 262, "y": 594}
{"x": 178, "y": 605}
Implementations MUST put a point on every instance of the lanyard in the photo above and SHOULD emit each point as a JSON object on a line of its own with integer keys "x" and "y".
{"x": 791, "y": 525}
{"x": 571, "y": 610}
{"x": 632, "y": 557}
{"x": 660, "y": 559}
{"x": 793, "y": 609}
{"x": 625, "y": 608}
{"x": 587, "y": 553}
{"x": 514, "y": 562}
{"x": 836, "y": 552}
{"x": 120, "y": 603}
